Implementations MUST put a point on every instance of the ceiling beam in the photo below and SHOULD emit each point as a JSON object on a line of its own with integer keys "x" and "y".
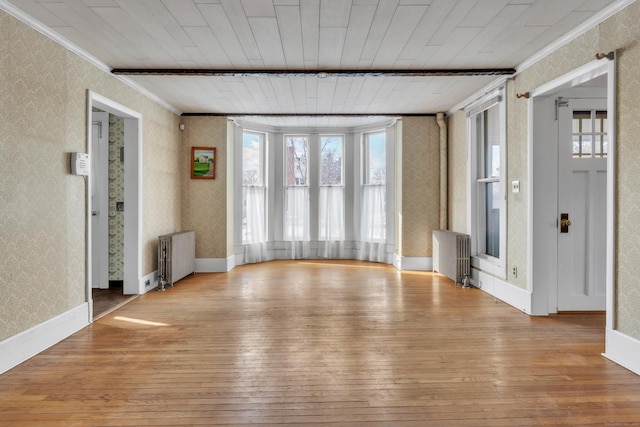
{"x": 312, "y": 73}
{"x": 308, "y": 115}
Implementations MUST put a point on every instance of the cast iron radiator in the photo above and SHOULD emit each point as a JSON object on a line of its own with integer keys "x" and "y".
{"x": 176, "y": 257}
{"x": 452, "y": 254}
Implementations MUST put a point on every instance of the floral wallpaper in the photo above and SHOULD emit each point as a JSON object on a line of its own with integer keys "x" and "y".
{"x": 43, "y": 96}
{"x": 43, "y": 101}
{"x": 116, "y": 194}
{"x": 420, "y": 184}
{"x": 457, "y": 176}
{"x": 204, "y": 206}
{"x": 621, "y": 33}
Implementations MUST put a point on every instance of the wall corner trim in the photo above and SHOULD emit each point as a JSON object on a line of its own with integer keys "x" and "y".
{"x": 26, "y": 344}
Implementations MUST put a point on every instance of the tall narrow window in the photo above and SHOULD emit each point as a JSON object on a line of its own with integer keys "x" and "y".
{"x": 296, "y": 193}
{"x": 331, "y": 196}
{"x": 488, "y": 214}
{"x": 254, "y": 228}
{"x": 489, "y": 178}
{"x": 374, "y": 191}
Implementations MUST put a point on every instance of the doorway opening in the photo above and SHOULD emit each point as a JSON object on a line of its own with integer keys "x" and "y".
{"x": 572, "y": 191}
{"x": 114, "y": 257}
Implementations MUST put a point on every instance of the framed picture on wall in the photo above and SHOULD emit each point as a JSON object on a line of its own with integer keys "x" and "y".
{"x": 203, "y": 162}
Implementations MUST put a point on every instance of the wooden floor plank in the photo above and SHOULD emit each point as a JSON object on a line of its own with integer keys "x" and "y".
{"x": 324, "y": 343}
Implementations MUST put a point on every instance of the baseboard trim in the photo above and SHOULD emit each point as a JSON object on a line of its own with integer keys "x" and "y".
{"x": 506, "y": 292}
{"x": 26, "y": 344}
{"x": 215, "y": 265}
{"x": 623, "y": 350}
{"x": 153, "y": 281}
{"x": 416, "y": 263}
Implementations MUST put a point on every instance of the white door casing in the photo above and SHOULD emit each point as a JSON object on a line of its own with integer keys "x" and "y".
{"x": 100, "y": 200}
{"x": 134, "y": 282}
{"x": 582, "y": 196}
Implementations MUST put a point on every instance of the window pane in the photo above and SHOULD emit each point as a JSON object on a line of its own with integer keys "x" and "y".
{"x": 589, "y": 133}
{"x": 586, "y": 145}
{"x": 331, "y": 213}
{"x": 492, "y": 217}
{"x": 296, "y": 160}
{"x": 253, "y": 191}
{"x": 375, "y": 159}
{"x": 492, "y": 142}
{"x": 252, "y": 149}
{"x": 605, "y": 145}
{"x": 296, "y": 213}
{"x": 331, "y": 160}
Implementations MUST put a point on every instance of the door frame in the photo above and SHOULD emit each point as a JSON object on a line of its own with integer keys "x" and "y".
{"x": 133, "y": 283}
{"x": 543, "y": 187}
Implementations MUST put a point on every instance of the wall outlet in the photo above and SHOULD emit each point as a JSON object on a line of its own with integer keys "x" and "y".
{"x": 147, "y": 283}
{"x": 515, "y": 271}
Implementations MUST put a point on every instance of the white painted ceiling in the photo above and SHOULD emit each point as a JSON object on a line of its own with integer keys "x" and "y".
{"x": 312, "y": 35}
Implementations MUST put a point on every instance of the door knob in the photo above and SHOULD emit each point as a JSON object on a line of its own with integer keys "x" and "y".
{"x": 564, "y": 223}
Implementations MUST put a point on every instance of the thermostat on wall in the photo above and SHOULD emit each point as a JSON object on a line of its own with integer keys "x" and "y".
{"x": 80, "y": 164}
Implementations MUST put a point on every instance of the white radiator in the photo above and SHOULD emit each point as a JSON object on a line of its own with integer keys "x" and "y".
{"x": 176, "y": 257}
{"x": 452, "y": 254}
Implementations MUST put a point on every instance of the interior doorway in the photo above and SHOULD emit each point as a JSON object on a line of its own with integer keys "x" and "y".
{"x": 572, "y": 199}
{"x": 582, "y": 199}
{"x": 127, "y": 205}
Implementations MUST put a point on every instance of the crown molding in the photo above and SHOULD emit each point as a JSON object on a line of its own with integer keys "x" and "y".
{"x": 62, "y": 41}
{"x": 590, "y": 23}
{"x": 571, "y": 35}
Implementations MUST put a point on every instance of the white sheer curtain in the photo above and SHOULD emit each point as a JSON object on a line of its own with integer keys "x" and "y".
{"x": 331, "y": 222}
{"x": 373, "y": 223}
{"x": 255, "y": 230}
{"x": 296, "y": 222}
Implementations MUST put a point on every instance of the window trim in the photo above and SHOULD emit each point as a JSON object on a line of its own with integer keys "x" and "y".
{"x": 479, "y": 259}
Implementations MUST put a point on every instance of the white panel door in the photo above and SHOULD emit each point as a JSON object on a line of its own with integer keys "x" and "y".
{"x": 582, "y": 203}
{"x": 100, "y": 200}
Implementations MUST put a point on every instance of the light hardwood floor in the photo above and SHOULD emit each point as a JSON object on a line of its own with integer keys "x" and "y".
{"x": 327, "y": 343}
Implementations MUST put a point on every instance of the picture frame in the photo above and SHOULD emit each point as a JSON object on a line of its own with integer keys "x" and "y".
{"x": 203, "y": 162}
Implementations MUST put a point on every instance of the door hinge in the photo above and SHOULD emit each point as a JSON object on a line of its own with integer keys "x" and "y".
{"x": 560, "y": 102}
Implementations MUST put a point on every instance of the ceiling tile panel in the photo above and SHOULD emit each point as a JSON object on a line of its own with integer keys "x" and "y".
{"x": 312, "y": 35}
{"x": 310, "y": 13}
{"x": 267, "y": 35}
{"x": 357, "y": 32}
{"x": 186, "y": 13}
{"x": 290, "y": 27}
{"x": 427, "y": 27}
{"x": 403, "y": 25}
{"x": 223, "y": 31}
